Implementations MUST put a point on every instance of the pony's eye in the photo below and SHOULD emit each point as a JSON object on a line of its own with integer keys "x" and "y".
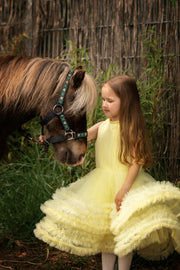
{"x": 82, "y": 110}
{"x": 71, "y": 98}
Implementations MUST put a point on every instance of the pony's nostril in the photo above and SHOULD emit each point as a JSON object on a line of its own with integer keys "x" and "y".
{"x": 66, "y": 155}
{"x": 81, "y": 158}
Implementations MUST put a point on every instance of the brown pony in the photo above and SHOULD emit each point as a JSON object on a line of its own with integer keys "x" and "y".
{"x": 31, "y": 87}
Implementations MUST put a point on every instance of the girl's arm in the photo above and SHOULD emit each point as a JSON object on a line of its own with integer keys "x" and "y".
{"x": 130, "y": 178}
{"x": 92, "y": 131}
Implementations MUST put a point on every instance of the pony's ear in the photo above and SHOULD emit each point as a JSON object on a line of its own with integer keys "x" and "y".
{"x": 78, "y": 78}
{"x": 78, "y": 67}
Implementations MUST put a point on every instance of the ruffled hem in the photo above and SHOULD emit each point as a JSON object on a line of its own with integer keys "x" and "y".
{"x": 68, "y": 208}
{"x": 143, "y": 197}
{"x": 147, "y": 222}
{"x": 74, "y": 225}
{"x": 74, "y": 241}
{"x": 154, "y": 233}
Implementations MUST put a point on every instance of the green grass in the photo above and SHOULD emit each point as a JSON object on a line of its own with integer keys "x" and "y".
{"x": 29, "y": 179}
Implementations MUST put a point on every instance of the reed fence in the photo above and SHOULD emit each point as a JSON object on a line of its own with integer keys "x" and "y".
{"x": 112, "y": 31}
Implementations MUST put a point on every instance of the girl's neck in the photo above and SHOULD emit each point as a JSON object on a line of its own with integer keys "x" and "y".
{"x": 113, "y": 121}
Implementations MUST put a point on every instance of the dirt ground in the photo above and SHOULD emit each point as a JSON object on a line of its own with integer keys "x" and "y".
{"x": 37, "y": 255}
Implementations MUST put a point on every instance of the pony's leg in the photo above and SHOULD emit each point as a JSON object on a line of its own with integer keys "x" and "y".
{"x": 108, "y": 261}
{"x": 124, "y": 263}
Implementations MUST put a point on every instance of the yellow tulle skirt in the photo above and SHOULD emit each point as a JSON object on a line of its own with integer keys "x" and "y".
{"x": 82, "y": 219}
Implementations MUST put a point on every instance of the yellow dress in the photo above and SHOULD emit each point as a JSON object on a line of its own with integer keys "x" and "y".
{"x": 82, "y": 219}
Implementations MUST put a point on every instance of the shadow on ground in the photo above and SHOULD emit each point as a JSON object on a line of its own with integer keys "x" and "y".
{"x": 37, "y": 255}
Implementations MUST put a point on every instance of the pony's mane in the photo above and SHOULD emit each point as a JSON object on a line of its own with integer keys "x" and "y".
{"x": 28, "y": 82}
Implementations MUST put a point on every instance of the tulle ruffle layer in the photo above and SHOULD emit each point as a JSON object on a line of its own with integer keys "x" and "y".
{"x": 147, "y": 222}
{"x": 75, "y": 225}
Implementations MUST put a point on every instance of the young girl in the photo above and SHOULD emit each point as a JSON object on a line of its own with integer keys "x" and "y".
{"x": 117, "y": 208}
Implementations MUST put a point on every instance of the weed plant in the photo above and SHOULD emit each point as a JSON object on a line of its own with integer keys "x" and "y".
{"x": 30, "y": 177}
{"x": 156, "y": 95}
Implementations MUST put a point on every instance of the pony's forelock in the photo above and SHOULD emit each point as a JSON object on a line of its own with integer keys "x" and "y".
{"x": 85, "y": 97}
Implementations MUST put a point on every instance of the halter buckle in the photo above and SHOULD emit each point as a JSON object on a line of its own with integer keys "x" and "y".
{"x": 70, "y": 135}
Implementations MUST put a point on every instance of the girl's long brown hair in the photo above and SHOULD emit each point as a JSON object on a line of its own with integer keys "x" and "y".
{"x": 134, "y": 143}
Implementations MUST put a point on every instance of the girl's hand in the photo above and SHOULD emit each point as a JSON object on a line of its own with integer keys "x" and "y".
{"x": 130, "y": 178}
{"x": 119, "y": 198}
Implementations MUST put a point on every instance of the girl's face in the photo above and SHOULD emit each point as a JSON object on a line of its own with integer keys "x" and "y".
{"x": 111, "y": 103}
